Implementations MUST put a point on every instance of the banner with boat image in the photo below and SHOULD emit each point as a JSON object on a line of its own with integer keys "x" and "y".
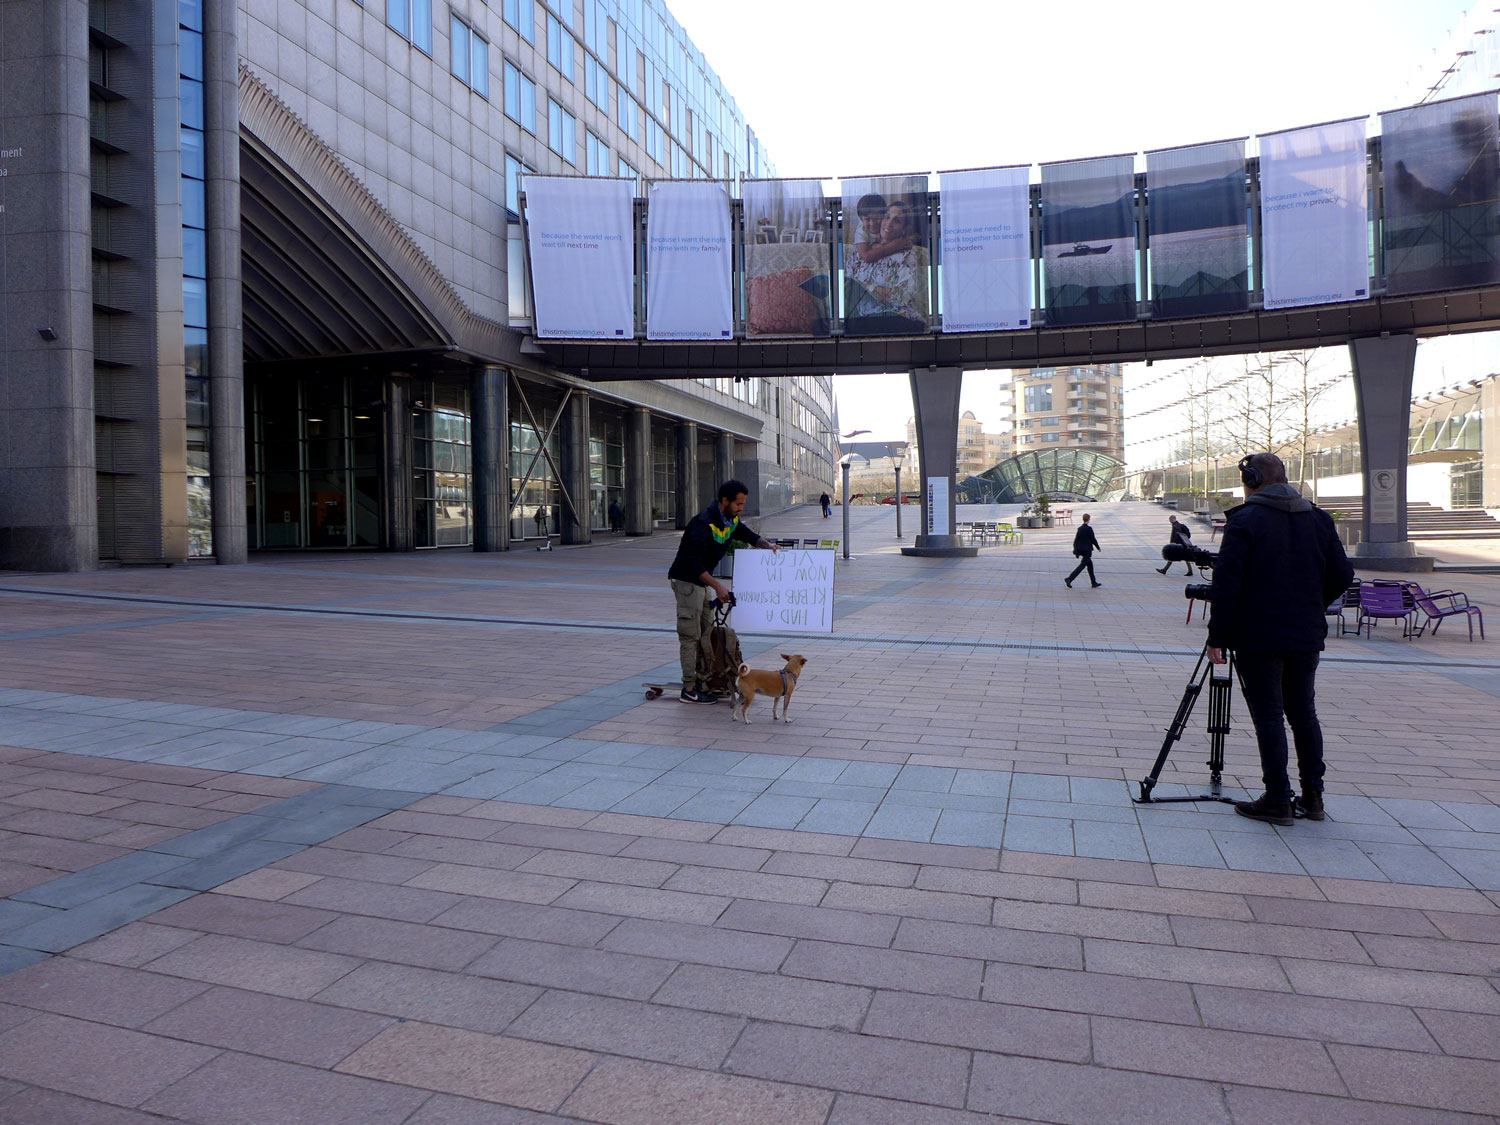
{"x": 1197, "y": 229}
{"x": 1088, "y": 241}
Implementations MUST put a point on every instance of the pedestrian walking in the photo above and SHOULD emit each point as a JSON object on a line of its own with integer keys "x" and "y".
{"x": 1085, "y": 543}
{"x": 1182, "y": 536}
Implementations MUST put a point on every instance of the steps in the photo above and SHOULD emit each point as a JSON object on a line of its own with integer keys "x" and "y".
{"x": 1426, "y": 521}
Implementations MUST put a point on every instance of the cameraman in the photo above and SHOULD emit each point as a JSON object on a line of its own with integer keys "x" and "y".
{"x": 1280, "y": 565}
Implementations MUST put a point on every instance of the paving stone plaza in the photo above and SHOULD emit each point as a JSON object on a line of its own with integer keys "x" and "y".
{"x": 378, "y": 838}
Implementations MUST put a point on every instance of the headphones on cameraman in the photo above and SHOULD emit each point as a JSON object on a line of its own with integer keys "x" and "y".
{"x": 1248, "y": 473}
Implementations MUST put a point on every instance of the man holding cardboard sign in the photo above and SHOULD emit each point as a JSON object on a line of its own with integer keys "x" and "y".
{"x": 703, "y": 546}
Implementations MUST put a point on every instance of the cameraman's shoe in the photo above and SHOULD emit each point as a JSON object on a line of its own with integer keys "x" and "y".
{"x": 1266, "y": 808}
{"x": 1309, "y": 806}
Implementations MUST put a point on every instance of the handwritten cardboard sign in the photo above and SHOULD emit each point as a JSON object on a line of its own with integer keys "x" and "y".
{"x": 789, "y": 591}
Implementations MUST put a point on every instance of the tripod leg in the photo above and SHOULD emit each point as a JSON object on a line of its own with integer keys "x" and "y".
{"x": 1190, "y": 694}
{"x": 1220, "y": 693}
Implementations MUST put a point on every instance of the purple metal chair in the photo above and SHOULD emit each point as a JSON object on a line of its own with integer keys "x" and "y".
{"x": 1349, "y": 599}
{"x": 1378, "y": 600}
{"x": 1445, "y": 603}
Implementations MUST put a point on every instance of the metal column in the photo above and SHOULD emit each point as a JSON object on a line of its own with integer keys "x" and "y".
{"x": 687, "y": 473}
{"x": 489, "y": 394}
{"x": 577, "y": 522}
{"x": 396, "y": 463}
{"x": 638, "y": 519}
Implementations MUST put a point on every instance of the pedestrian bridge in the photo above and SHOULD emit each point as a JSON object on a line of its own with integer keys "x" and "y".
{"x": 1325, "y": 236}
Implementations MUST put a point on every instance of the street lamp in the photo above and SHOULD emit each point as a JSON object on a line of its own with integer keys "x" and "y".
{"x": 896, "y": 462}
{"x": 846, "y": 460}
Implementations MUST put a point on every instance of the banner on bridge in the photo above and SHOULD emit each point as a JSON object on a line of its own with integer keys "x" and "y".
{"x": 1440, "y": 180}
{"x": 887, "y": 268}
{"x": 1088, "y": 241}
{"x": 1199, "y": 240}
{"x": 1314, "y": 215}
{"x": 787, "y": 258}
{"x": 582, "y": 253}
{"x": 986, "y": 244}
{"x": 689, "y": 279}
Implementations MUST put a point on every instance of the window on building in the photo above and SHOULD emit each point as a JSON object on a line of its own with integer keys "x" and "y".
{"x": 471, "y": 57}
{"x": 521, "y": 15}
{"x": 597, "y": 157}
{"x": 1049, "y": 421}
{"x": 655, "y": 140}
{"x": 596, "y": 82}
{"x": 413, "y": 19}
{"x": 520, "y": 98}
{"x": 560, "y": 51}
{"x": 1038, "y": 398}
{"x": 562, "y": 132}
{"x": 564, "y": 8}
{"x": 628, "y": 110}
{"x": 594, "y": 27}
{"x": 514, "y": 170}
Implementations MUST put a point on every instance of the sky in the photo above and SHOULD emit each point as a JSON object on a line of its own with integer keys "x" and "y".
{"x": 880, "y": 87}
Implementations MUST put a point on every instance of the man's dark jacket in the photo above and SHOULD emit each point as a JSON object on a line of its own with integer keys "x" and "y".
{"x": 1084, "y": 542}
{"x": 1279, "y": 566}
{"x": 1182, "y": 534}
{"x": 700, "y": 550}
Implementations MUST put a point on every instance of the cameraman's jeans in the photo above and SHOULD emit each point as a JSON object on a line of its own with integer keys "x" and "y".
{"x": 1277, "y": 684}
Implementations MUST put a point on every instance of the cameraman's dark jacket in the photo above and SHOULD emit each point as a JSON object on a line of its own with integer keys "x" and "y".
{"x": 705, "y": 543}
{"x": 1280, "y": 565}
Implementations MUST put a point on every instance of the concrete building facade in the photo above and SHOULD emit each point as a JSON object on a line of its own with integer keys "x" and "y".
{"x": 260, "y": 285}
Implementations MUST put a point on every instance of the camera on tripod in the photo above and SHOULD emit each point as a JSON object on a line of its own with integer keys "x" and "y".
{"x": 1186, "y": 552}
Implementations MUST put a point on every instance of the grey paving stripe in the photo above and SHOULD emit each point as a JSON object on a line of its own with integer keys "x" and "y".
{"x": 65, "y": 912}
{"x": 1418, "y": 659}
{"x": 538, "y": 759}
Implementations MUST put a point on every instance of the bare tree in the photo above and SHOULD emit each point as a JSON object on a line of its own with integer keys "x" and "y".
{"x": 1305, "y": 389}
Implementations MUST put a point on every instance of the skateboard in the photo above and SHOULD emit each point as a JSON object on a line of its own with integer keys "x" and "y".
{"x": 655, "y": 691}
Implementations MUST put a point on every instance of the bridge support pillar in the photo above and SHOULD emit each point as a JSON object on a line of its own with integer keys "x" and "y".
{"x": 397, "y": 463}
{"x": 638, "y": 519}
{"x": 489, "y": 395}
{"x": 577, "y": 523}
{"x": 1383, "y": 367}
{"x": 687, "y": 473}
{"x": 724, "y": 461}
{"x": 934, "y": 395}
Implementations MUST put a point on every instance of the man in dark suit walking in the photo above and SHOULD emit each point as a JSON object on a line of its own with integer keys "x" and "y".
{"x": 1085, "y": 543}
{"x": 1183, "y": 537}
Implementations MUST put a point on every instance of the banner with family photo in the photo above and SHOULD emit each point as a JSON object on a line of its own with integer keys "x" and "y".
{"x": 689, "y": 261}
{"x": 1088, "y": 241}
{"x": 985, "y": 269}
{"x": 787, "y": 258}
{"x": 1197, "y": 216}
{"x": 887, "y": 268}
{"x": 1314, "y": 215}
{"x": 582, "y": 257}
{"x": 1440, "y": 178}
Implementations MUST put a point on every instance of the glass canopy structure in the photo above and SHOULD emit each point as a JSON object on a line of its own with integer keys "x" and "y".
{"x": 1063, "y": 474}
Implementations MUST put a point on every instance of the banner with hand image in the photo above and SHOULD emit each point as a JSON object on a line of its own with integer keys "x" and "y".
{"x": 1440, "y": 180}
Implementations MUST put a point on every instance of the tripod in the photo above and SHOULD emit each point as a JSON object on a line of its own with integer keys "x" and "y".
{"x": 1219, "y": 695}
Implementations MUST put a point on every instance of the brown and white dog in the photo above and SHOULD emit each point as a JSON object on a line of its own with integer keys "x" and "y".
{"x": 779, "y": 685}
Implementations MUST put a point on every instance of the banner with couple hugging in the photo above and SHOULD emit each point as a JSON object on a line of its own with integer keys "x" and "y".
{"x": 886, "y": 247}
